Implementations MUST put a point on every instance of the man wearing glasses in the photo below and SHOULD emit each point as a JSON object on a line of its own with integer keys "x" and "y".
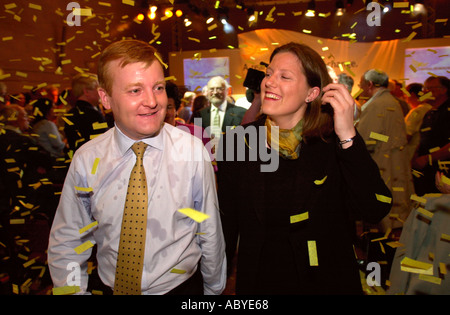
{"x": 221, "y": 114}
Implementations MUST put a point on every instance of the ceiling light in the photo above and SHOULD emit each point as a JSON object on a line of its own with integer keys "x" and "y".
{"x": 340, "y": 8}
{"x": 419, "y": 8}
{"x": 140, "y": 17}
{"x": 168, "y": 13}
{"x": 311, "y": 9}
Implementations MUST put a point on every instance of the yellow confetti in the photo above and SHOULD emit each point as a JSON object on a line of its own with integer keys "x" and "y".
{"x": 425, "y": 212}
{"x": 96, "y": 55}
{"x": 395, "y": 244}
{"x": 445, "y": 237}
{"x": 178, "y": 271}
{"x": 17, "y": 221}
{"x": 171, "y": 78}
{"x": 129, "y": 2}
{"x": 442, "y": 269}
{"x": 194, "y": 214}
{"x": 67, "y": 290}
{"x": 212, "y": 27}
{"x": 194, "y": 39}
{"x": 10, "y": 6}
{"x": 378, "y": 136}
{"x": 415, "y": 266}
{"x": 85, "y": 189}
{"x": 445, "y": 180}
{"x": 30, "y": 262}
{"x": 312, "y": 251}
{"x": 417, "y": 25}
{"x": 320, "y": 181}
{"x": 88, "y": 227}
{"x": 299, "y": 217}
{"x": 160, "y": 60}
{"x": 410, "y": 37}
{"x": 98, "y": 125}
{"x": 424, "y": 97}
{"x": 384, "y": 199}
{"x": 82, "y": 12}
{"x": 35, "y": 6}
{"x": 430, "y": 278}
{"x": 21, "y": 74}
{"x": 94, "y": 166}
{"x": 400, "y": 4}
{"x": 67, "y": 121}
{"x": 418, "y": 199}
{"x": 83, "y": 247}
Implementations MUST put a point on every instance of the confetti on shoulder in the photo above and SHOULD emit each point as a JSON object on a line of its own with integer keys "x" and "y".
{"x": 194, "y": 214}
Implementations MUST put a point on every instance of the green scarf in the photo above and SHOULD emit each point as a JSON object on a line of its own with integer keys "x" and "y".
{"x": 288, "y": 140}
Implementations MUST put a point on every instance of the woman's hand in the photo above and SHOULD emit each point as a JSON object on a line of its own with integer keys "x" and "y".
{"x": 343, "y": 105}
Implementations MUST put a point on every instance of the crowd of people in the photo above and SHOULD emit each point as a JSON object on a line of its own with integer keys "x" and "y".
{"x": 342, "y": 161}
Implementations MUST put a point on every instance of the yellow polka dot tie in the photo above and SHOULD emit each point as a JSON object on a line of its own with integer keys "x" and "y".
{"x": 130, "y": 258}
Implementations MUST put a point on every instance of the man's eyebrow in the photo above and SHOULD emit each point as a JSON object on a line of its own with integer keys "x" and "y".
{"x": 133, "y": 84}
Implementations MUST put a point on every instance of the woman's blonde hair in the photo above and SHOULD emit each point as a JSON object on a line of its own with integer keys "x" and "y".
{"x": 318, "y": 119}
{"x": 128, "y": 51}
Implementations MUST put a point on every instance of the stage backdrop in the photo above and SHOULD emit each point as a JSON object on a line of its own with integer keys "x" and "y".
{"x": 355, "y": 58}
{"x": 405, "y": 60}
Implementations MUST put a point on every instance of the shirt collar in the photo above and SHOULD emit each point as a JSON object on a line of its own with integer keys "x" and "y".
{"x": 124, "y": 143}
{"x": 222, "y": 107}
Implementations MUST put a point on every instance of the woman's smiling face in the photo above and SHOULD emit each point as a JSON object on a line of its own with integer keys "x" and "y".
{"x": 285, "y": 90}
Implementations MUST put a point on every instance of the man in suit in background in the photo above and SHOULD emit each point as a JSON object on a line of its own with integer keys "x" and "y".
{"x": 382, "y": 127}
{"x": 221, "y": 114}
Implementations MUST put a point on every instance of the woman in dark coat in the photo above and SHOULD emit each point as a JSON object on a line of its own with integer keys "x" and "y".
{"x": 295, "y": 224}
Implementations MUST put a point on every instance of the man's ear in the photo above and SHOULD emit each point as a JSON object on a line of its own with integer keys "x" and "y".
{"x": 105, "y": 98}
{"x": 313, "y": 93}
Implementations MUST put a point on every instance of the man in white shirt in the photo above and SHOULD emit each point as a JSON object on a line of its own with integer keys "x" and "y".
{"x": 179, "y": 252}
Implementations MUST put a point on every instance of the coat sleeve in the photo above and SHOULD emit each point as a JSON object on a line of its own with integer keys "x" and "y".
{"x": 369, "y": 198}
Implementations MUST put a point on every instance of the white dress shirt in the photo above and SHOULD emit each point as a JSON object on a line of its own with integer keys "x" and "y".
{"x": 179, "y": 175}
